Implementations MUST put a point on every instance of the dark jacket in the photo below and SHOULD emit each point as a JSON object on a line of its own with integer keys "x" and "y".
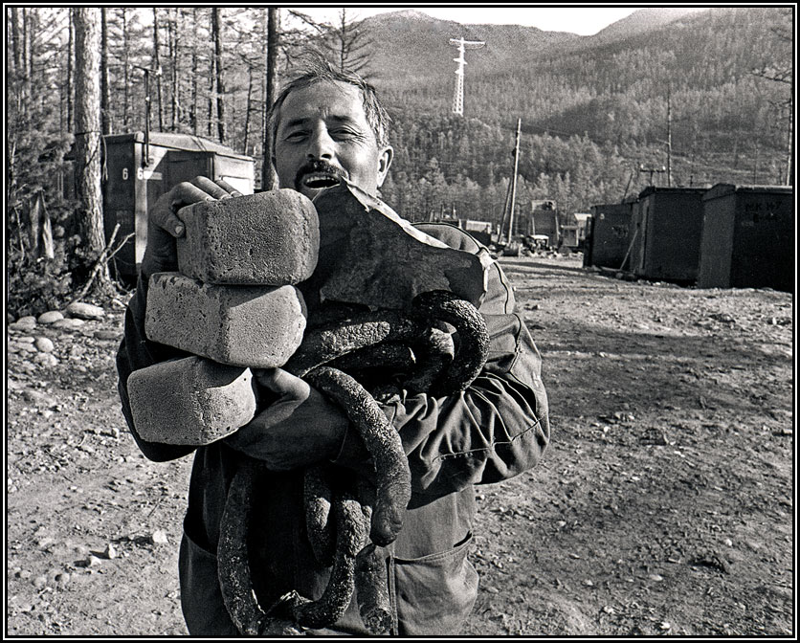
{"x": 494, "y": 430}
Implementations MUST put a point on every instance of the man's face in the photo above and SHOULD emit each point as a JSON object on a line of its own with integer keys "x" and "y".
{"x": 323, "y": 134}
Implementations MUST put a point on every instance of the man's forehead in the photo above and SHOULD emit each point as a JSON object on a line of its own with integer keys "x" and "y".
{"x": 333, "y": 100}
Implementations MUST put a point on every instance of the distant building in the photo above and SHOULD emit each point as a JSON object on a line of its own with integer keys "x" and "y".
{"x": 748, "y": 237}
{"x": 608, "y": 236}
{"x": 481, "y": 230}
{"x": 543, "y": 220}
{"x": 667, "y": 224}
{"x": 574, "y": 230}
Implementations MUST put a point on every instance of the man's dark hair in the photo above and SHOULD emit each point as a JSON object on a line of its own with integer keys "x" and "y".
{"x": 321, "y": 70}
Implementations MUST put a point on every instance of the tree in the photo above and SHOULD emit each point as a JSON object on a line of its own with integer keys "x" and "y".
{"x": 268, "y": 176}
{"x": 126, "y": 101}
{"x": 216, "y": 35}
{"x": 172, "y": 39}
{"x": 194, "y": 91}
{"x": 105, "y": 101}
{"x": 156, "y": 65}
{"x": 349, "y": 42}
{"x": 68, "y": 88}
{"x": 17, "y": 69}
{"x": 782, "y": 73}
{"x": 87, "y": 133}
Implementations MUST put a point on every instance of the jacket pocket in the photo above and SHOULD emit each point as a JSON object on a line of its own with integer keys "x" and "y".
{"x": 434, "y": 594}
{"x": 201, "y": 598}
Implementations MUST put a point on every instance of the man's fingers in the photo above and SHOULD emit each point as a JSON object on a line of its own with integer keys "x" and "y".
{"x": 174, "y": 226}
{"x": 283, "y": 383}
{"x": 218, "y": 189}
{"x": 232, "y": 190}
{"x": 199, "y": 189}
{"x": 185, "y": 194}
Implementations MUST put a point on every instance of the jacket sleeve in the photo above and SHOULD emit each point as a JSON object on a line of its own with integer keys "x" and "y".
{"x": 494, "y": 430}
{"x": 135, "y": 352}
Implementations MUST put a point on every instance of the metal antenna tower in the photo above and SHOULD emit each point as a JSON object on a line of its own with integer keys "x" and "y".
{"x": 458, "y": 94}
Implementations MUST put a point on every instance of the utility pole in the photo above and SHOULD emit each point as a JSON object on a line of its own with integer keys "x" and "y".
{"x": 755, "y": 166}
{"x": 652, "y": 170}
{"x": 502, "y": 227}
{"x": 669, "y": 139}
{"x": 514, "y": 182}
{"x": 458, "y": 94}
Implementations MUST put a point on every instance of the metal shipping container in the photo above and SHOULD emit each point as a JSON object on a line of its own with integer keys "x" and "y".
{"x": 139, "y": 169}
{"x": 667, "y": 224}
{"x": 608, "y": 236}
{"x": 748, "y": 237}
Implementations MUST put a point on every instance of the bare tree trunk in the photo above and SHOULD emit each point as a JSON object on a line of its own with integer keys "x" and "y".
{"x": 350, "y": 44}
{"x": 343, "y": 41}
{"x": 70, "y": 80}
{"x": 269, "y": 179}
{"x": 105, "y": 102}
{"x": 11, "y": 179}
{"x": 216, "y": 29}
{"x": 16, "y": 44}
{"x": 87, "y": 129}
{"x": 157, "y": 71}
{"x": 26, "y": 66}
{"x": 126, "y": 114}
{"x": 211, "y": 84}
{"x": 15, "y": 39}
{"x": 173, "y": 56}
{"x": 791, "y": 143}
{"x": 193, "y": 107}
{"x": 249, "y": 106}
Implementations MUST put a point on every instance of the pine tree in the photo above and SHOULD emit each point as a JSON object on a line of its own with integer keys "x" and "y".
{"x": 88, "y": 135}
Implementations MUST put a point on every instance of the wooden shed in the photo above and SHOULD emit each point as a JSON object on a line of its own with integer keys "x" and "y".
{"x": 667, "y": 225}
{"x": 543, "y": 220}
{"x": 139, "y": 169}
{"x": 573, "y": 230}
{"x": 608, "y": 235}
{"x": 748, "y": 237}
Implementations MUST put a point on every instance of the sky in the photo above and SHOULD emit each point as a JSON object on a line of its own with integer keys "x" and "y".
{"x": 578, "y": 19}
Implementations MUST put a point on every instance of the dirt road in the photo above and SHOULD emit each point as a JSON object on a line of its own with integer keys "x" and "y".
{"x": 664, "y": 507}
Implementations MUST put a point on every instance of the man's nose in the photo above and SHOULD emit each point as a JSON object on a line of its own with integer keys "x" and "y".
{"x": 321, "y": 145}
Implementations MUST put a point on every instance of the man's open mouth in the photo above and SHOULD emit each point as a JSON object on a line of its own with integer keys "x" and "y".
{"x": 320, "y": 180}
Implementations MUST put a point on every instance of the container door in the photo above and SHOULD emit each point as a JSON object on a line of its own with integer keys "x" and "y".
{"x": 119, "y": 204}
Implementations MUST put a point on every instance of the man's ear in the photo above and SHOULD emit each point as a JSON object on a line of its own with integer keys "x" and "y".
{"x": 384, "y": 162}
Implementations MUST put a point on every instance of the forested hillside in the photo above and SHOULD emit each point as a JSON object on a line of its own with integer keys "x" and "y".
{"x": 707, "y": 96}
{"x": 594, "y": 109}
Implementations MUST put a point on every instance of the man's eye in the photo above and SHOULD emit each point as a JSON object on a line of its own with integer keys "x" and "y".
{"x": 296, "y": 135}
{"x": 341, "y": 134}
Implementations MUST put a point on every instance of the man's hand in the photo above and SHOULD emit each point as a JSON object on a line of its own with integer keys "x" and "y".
{"x": 164, "y": 225}
{"x": 300, "y": 428}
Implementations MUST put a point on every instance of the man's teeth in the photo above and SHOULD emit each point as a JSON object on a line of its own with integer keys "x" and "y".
{"x": 319, "y": 180}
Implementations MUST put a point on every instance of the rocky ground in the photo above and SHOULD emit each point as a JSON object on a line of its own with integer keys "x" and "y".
{"x": 664, "y": 507}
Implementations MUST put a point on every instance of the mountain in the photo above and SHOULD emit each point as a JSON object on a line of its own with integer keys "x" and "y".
{"x": 639, "y": 22}
{"x": 593, "y": 108}
{"x": 566, "y": 82}
{"x": 411, "y": 45}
